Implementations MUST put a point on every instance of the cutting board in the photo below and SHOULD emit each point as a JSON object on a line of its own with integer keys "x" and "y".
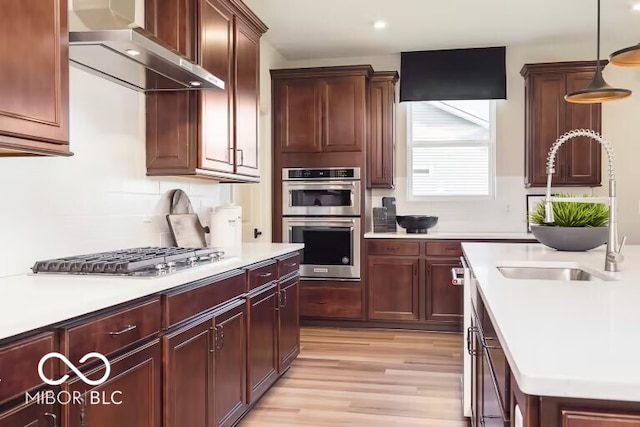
{"x": 187, "y": 230}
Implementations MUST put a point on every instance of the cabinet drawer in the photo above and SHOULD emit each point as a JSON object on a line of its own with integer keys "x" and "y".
{"x": 289, "y": 264}
{"x": 393, "y": 247}
{"x": 262, "y": 273}
{"x": 19, "y": 365}
{"x": 186, "y": 303}
{"x": 333, "y": 302}
{"x": 112, "y": 332}
{"x": 452, "y": 248}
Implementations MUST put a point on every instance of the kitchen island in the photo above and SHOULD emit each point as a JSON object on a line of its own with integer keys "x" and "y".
{"x": 570, "y": 346}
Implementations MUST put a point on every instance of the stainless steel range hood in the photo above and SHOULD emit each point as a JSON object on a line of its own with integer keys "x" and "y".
{"x": 131, "y": 57}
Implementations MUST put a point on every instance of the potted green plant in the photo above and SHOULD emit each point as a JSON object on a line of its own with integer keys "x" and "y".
{"x": 578, "y": 226}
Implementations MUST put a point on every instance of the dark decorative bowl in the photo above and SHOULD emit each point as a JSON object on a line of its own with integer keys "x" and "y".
{"x": 575, "y": 239}
{"x": 416, "y": 224}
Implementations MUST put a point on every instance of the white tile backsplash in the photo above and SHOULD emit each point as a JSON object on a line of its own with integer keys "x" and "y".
{"x": 99, "y": 199}
{"x": 506, "y": 213}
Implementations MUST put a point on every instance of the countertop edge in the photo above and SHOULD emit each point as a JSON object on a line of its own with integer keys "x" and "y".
{"x": 244, "y": 260}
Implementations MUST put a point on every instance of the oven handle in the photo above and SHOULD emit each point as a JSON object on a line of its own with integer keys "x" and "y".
{"x": 325, "y": 183}
{"x": 317, "y": 220}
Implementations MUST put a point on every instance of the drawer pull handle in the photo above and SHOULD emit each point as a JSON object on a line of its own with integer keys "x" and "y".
{"x": 127, "y": 328}
{"x": 54, "y": 418}
{"x": 291, "y": 264}
{"x": 391, "y": 248}
{"x": 264, "y": 274}
{"x": 322, "y": 302}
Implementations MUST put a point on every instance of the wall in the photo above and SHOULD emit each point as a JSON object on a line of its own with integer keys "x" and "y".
{"x": 99, "y": 199}
{"x": 508, "y": 211}
{"x": 255, "y": 199}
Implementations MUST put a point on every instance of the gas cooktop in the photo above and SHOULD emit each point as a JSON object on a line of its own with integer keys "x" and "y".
{"x": 142, "y": 262}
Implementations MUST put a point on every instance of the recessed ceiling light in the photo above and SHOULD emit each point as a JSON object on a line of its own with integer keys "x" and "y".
{"x": 195, "y": 83}
{"x": 635, "y": 6}
{"x": 132, "y": 52}
{"x": 379, "y": 25}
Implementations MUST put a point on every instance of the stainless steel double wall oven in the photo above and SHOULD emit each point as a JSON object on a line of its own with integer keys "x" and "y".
{"x": 321, "y": 208}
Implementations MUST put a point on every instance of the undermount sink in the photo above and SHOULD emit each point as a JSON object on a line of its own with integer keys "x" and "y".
{"x": 550, "y": 273}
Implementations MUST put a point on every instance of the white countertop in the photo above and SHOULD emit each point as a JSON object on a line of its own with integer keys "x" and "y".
{"x": 451, "y": 236}
{"x": 564, "y": 338}
{"x": 29, "y": 302}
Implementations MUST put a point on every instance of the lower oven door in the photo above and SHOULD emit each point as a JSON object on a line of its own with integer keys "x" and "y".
{"x": 331, "y": 246}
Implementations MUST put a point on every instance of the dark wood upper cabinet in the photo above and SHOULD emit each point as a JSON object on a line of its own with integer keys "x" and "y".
{"x": 230, "y": 386}
{"x": 216, "y": 106}
{"x": 297, "y": 115}
{"x": 343, "y": 113}
{"x": 548, "y": 116}
{"x": 210, "y": 133}
{"x": 444, "y": 300}
{"x": 393, "y": 288}
{"x": 382, "y": 129}
{"x": 247, "y": 95}
{"x": 320, "y": 109}
{"x": 175, "y": 23}
{"x": 188, "y": 375}
{"x": 34, "y": 82}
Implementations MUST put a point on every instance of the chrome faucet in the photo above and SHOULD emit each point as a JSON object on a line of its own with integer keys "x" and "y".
{"x": 614, "y": 248}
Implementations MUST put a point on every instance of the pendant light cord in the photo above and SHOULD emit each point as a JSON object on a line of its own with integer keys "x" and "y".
{"x": 598, "y": 69}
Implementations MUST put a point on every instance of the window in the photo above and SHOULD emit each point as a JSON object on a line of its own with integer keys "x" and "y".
{"x": 450, "y": 149}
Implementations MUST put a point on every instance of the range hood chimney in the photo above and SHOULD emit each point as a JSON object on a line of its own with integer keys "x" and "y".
{"x": 115, "y": 48}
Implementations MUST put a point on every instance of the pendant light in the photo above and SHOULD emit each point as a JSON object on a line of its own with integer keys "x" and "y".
{"x": 598, "y": 90}
{"x": 627, "y": 57}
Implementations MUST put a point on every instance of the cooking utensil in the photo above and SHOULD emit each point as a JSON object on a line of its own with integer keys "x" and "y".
{"x": 416, "y": 224}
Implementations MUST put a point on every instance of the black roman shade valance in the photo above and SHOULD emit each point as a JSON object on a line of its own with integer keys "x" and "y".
{"x": 456, "y": 74}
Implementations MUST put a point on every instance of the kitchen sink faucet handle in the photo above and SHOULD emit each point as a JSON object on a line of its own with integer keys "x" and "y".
{"x": 624, "y": 240}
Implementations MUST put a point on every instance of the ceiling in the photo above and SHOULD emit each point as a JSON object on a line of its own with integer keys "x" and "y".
{"x": 302, "y": 29}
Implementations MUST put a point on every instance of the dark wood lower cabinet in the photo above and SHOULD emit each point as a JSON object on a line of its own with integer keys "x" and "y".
{"x": 218, "y": 352}
{"x": 393, "y": 288}
{"x": 444, "y": 300}
{"x": 289, "y": 319}
{"x": 230, "y": 384}
{"x": 188, "y": 375}
{"x": 135, "y": 381}
{"x": 30, "y": 415}
{"x": 262, "y": 351}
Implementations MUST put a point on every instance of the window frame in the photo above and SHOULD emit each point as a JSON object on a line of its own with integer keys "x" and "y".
{"x": 469, "y": 143}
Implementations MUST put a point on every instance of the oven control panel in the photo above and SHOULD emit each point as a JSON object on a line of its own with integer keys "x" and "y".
{"x": 322, "y": 173}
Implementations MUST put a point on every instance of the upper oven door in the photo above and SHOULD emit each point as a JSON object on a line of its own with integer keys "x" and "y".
{"x": 330, "y": 198}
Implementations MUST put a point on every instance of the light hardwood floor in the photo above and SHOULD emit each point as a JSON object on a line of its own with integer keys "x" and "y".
{"x": 369, "y": 378}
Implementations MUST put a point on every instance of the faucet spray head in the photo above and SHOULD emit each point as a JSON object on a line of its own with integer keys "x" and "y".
{"x": 548, "y": 211}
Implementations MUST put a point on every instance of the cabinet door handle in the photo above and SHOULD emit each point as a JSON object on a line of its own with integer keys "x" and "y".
{"x": 215, "y": 339}
{"x": 220, "y": 338}
{"x": 283, "y": 293}
{"x": 126, "y": 329}
{"x": 241, "y": 156}
{"x": 53, "y": 417}
{"x": 264, "y": 274}
{"x": 82, "y": 412}
{"x": 470, "y": 330}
